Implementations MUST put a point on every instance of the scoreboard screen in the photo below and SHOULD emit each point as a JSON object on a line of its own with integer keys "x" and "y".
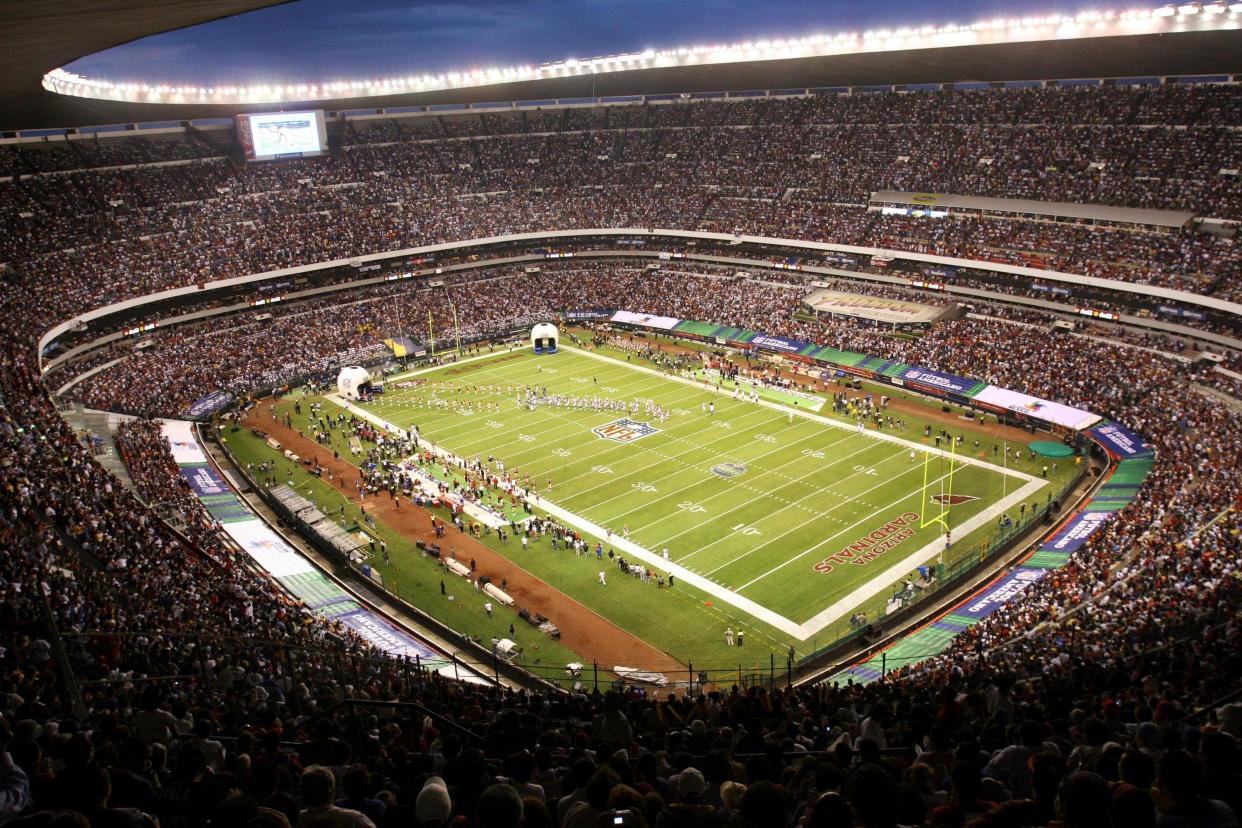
{"x": 273, "y": 135}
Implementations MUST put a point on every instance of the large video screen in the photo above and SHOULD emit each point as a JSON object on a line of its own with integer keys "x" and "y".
{"x": 272, "y": 135}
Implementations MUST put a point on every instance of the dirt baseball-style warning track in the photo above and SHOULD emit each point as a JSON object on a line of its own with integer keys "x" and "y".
{"x": 582, "y": 630}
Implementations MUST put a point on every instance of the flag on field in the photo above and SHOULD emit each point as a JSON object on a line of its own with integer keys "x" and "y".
{"x": 401, "y": 346}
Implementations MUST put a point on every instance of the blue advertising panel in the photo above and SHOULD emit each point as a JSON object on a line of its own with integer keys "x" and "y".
{"x": 1120, "y": 441}
{"x": 999, "y": 594}
{"x": 778, "y": 343}
{"x": 1077, "y": 531}
{"x": 939, "y": 381}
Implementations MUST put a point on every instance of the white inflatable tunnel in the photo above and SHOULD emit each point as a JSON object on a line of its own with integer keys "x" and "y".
{"x": 543, "y": 338}
{"x": 351, "y": 380}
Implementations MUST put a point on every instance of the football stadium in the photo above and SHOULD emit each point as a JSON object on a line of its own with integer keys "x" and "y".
{"x": 842, "y": 429}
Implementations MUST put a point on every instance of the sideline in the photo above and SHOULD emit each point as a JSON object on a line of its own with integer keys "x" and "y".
{"x": 819, "y": 418}
{"x": 874, "y": 586}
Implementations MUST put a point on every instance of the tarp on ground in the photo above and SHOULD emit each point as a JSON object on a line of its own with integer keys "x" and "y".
{"x": 288, "y": 567}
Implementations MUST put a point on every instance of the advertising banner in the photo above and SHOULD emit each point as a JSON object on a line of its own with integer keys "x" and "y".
{"x": 180, "y": 436}
{"x": 1076, "y": 532}
{"x": 1062, "y": 415}
{"x": 204, "y": 482}
{"x": 385, "y": 636}
{"x": 999, "y": 594}
{"x": 586, "y": 315}
{"x": 1051, "y": 289}
{"x": 778, "y": 343}
{"x": 206, "y": 406}
{"x": 936, "y": 381}
{"x": 1185, "y": 313}
{"x": 661, "y": 323}
{"x": 1121, "y": 442}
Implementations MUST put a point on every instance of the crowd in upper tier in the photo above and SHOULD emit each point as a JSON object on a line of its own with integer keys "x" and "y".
{"x": 91, "y": 233}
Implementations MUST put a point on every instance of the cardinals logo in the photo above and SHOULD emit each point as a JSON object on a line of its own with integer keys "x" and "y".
{"x": 952, "y": 499}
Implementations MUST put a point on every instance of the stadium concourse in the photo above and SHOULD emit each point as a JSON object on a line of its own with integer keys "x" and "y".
{"x": 154, "y": 670}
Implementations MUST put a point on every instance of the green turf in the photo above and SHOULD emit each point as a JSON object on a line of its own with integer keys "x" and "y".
{"x": 807, "y": 490}
{"x": 801, "y": 487}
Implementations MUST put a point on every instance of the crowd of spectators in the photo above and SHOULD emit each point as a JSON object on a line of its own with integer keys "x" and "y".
{"x": 1069, "y": 704}
{"x": 149, "y": 673}
{"x": 313, "y": 337}
{"x": 681, "y": 166}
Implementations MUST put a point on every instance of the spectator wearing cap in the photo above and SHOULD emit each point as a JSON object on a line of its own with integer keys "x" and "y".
{"x": 433, "y": 806}
{"x": 689, "y": 810}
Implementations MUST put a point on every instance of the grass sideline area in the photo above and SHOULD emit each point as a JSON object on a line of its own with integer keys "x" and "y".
{"x": 800, "y": 486}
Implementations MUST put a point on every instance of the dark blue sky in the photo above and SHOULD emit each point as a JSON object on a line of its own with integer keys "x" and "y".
{"x": 346, "y": 39}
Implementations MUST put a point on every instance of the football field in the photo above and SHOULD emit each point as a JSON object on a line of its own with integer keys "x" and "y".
{"x": 793, "y": 517}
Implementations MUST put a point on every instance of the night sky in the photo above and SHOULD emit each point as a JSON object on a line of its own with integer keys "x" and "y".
{"x": 317, "y": 40}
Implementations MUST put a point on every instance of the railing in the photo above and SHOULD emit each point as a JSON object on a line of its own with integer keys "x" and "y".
{"x": 948, "y": 575}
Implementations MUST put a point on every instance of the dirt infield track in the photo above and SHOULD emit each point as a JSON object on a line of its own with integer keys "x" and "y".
{"x": 582, "y": 629}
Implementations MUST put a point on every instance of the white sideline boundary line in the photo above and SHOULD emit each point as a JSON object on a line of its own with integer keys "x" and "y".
{"x": 820, "y": 620}
{"x": 877, "y": 435}
{"x": 880, "y": 583}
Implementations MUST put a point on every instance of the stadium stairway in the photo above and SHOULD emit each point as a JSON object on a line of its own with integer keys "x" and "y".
{"x": 95, "y": 429}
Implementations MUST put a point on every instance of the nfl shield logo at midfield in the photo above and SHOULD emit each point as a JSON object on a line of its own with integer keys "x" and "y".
{"x": 624, "y": 430}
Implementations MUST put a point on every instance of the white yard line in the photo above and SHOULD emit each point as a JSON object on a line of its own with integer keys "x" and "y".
{"x": 821, "y": 620}
{"x": 788, "y": 481}
{"x": 647, "y": 504}
{"x": 873, "y": 433}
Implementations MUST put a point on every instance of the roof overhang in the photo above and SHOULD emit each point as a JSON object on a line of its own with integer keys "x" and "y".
{"x": 1204, "y": 45}
{"x": 37, "y": 37}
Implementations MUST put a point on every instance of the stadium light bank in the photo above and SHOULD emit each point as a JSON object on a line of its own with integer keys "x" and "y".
{"x": 1168, "y": 19}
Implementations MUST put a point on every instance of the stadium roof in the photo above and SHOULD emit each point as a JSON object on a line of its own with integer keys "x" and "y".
{"x": 36, "y": 38}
